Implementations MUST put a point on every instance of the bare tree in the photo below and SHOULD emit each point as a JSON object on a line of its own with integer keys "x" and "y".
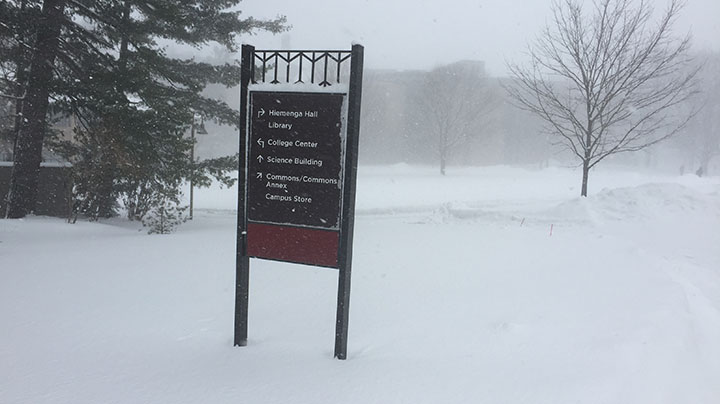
{"x": 455, "y": 102}
{"x": 608, "y": 81}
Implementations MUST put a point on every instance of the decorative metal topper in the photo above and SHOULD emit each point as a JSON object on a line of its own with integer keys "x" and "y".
{"x": 321, "y": 63}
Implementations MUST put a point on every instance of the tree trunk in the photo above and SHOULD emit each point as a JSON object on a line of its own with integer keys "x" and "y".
{"x": 28, "y": 148}
{"x": 123, "y": 56}
{"x": 705, "y": 157}
{"x": 105, "y": 189}
{"x": 442, "y": 151}
{"x": 21, "y": 74}
{"x": 586, "y": 174}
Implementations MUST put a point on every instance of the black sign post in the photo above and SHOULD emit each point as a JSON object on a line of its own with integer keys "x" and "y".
{"x": 347, "y": 227}
{"x": 298, "y": 171}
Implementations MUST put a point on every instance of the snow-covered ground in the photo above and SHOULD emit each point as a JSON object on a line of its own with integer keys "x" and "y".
{"x": 490, "y": 285}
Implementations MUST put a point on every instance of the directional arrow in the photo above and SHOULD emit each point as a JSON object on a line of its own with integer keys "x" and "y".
{"x": 260, "y": 159}
{"x": 261, "y": 143}
{"x": 261, "y": 112}
{"x": 259, "y": 175}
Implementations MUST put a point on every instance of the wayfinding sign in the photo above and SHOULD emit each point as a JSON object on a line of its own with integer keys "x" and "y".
{"x": 295, "y": 159}
{"x": 295, "y": 176}
{"x": 299, "y": 136}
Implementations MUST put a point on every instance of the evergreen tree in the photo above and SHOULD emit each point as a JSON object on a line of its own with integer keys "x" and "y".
{"x": 165, "y": 214}
{"x": 106, "y": 62}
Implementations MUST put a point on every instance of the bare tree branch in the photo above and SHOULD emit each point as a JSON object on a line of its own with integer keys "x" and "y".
{"x": 12, "y": 97}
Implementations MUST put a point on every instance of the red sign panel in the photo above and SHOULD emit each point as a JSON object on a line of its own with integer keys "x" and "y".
{"x": 293, "y": 244}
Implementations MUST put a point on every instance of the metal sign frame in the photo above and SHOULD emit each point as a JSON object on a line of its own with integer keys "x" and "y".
{"x": 320, "y": 68}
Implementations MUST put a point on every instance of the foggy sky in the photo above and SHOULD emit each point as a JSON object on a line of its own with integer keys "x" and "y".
{"x": 421, "y": 34}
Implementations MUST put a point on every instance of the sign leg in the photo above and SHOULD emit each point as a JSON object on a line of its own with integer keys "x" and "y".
{"x": 242, "y": 292}
{"x": 343, "y": 314}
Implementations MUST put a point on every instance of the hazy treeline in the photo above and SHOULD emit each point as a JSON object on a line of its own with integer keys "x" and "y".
{"x": 400, "y": 109}
{"x": 397, "y": 106}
